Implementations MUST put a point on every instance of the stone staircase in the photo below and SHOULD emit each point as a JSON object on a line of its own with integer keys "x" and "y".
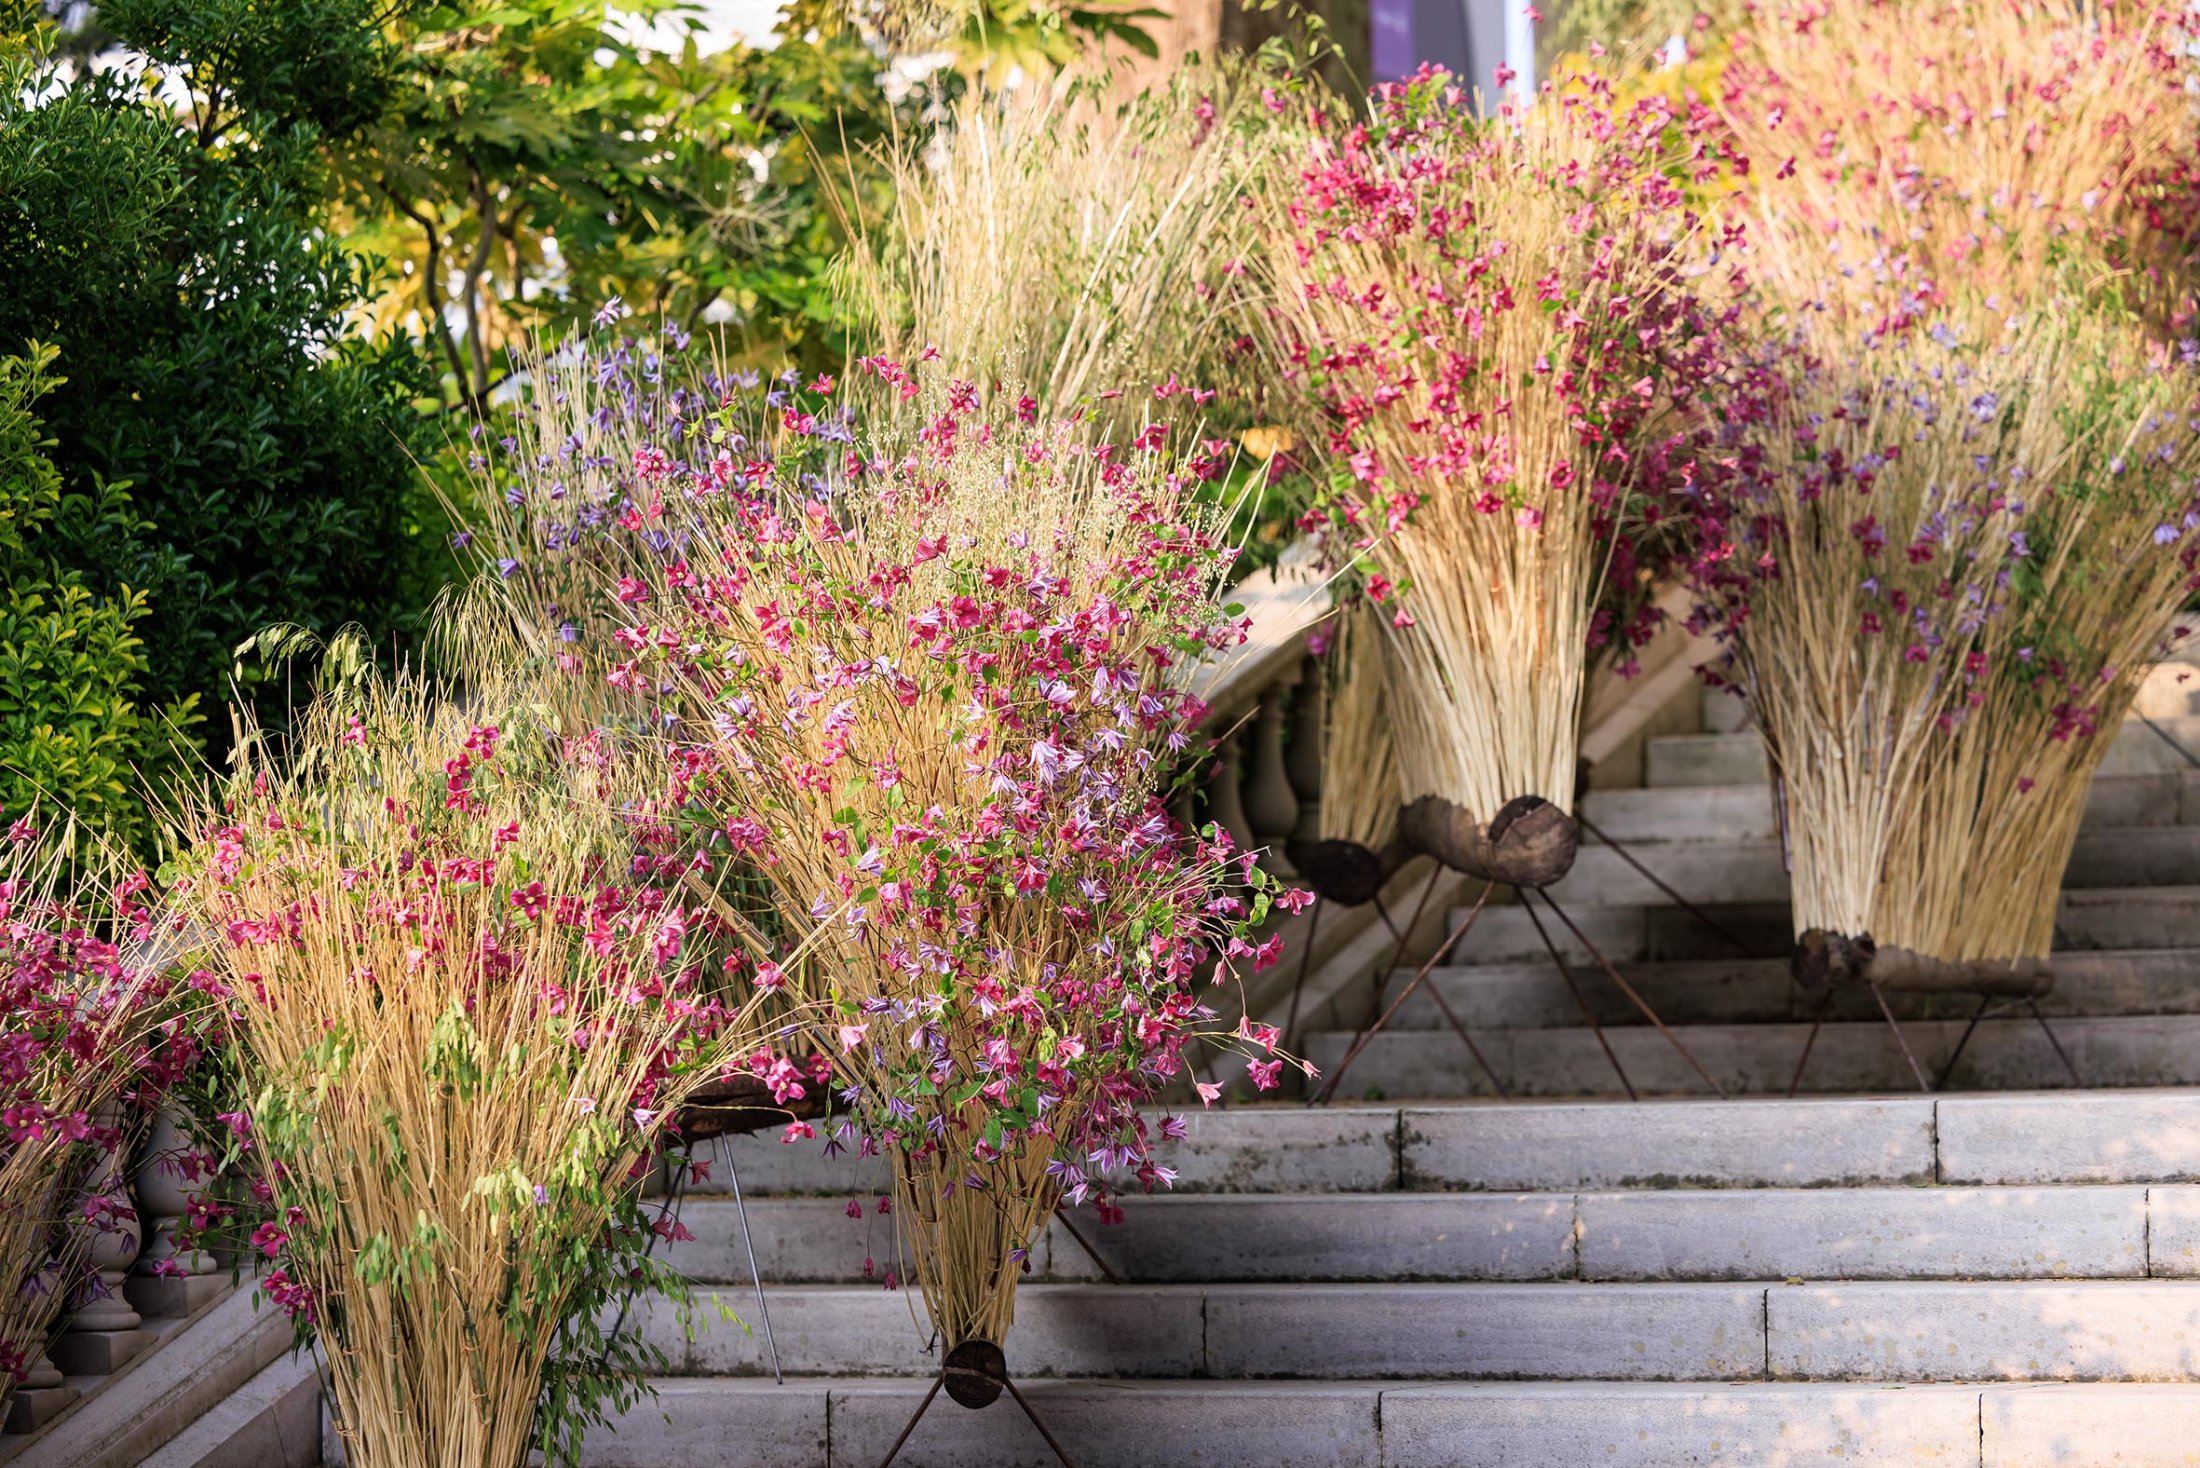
{"x": 1983, "y": 1280}
{"x": 2126, "y": 1004}
{"x": 1419, "y": 1278}
{"x": 1996, "y": 1276}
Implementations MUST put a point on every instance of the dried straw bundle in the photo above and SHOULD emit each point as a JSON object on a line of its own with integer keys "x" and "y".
{"x": 1359, "y": 747}
{"x": 88, "y": 1031}
{"x": 1864, "y": 550}
{"x": 2005, "y": 156}
{"x": 1979, "y": 138}
{"x": 1497, "y": 315}
{"x": 928, "y": 706}
{"x": 1065, "y": 247}
{"x": 2109, "y": 547}
{"x": 463, "y": 1018}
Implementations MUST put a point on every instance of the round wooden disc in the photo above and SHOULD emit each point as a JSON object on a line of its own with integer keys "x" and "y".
{"x": 976, "y": 1372}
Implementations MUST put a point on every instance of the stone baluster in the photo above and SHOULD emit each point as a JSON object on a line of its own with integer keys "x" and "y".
{"x": 166, "y": 1195}
{"x": 1225, "y": 799}
{"x": 39, "y": 1397}
{"x": 1303, "y": 763}
{"x": 104, "y": 1331}
{"x": 1271, "y": 805}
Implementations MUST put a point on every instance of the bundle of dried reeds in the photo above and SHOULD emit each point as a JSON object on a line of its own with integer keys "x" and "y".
{"x": 928, "y": 705}
{"x": 1954, "y": 381}
{"x": 2106, "y": 565}
{"x": 1052, "y": 243}
{"x": 1979, "y": 140}
{"x": 1359, "y": 794}
{"x": 465, "y": 1008}
{"x": 90, "y": 1033}
{"x": 1498, "y": 315}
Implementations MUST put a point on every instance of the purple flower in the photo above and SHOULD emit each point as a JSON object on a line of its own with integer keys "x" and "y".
{"x": 2165, "y": 534}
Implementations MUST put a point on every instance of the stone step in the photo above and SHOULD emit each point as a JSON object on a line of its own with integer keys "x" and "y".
{"x": 1876, "y": 1233}
{"x": 1760, "y": 990}
{"x": 2131, "y": 1136}
{"x": 1268, "y": 1148}
{"x": 1746, "y": 813}
{"x": 820, "y": 1423}
{"x": 2089, "y": 918}
{"x": 2004, "y": 1054}
{"x": 1743, "y": 872}
{"x": 2030, "y": 1330}
{"x": 1739, "y": 758}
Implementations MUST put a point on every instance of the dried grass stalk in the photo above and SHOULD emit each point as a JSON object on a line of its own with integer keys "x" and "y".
{"x": 1359, "y": 796}
{"x": 1065, "y": 247}
{"x": 463, "y": 1033}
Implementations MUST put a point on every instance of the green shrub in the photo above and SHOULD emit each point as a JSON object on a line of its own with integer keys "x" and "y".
{"x": 73, "y": 730}
{"x": 184, "y": 268}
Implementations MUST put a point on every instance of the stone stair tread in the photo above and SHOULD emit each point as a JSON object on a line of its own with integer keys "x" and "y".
{"x": 1751, "y": 871}
{"x": 1408, "y": 1423}
{"x": 1760, "y": 1059}
{"x": 2013, "y": 1330}
{"x": 1697, "y": 814}
{"x": 1975, "y": 1232}
{"x": 1678, "y": 760}
{"x": 2110, "y": 1136}
{"x": 1535, "y": 995}
{"x": 2088, "y": 919}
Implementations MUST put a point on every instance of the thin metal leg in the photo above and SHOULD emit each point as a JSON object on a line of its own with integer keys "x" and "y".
{"x": 1107, "y": 1271}
{"x": 2049, "y": 1030}
{"x": 1901, "y": 1039}
{"x": 1062, "y": 1457}
{"x": 1948, "y": 1068}
{"x": 1397, "y": 952}
{"x": 763, "y": 1309}
{"x": 1360, "y": 1041}
{"x": 1473, "y": 1049}
{"x": 915, "y": 1417}
{"x": 1660, "y": 883}
{"x": 1629, "y": 990}
{"x": 1579, "y": 998}
{"x": 1817, "y": 1023}
{"x": 1298, "y": 985}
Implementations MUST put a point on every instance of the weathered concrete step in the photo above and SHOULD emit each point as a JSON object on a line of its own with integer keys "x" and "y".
{"x": 1739, "y": 758}
{"x": 2089, "y": 918}
{"x": 1661, "y": 1235}
{"x": 2103, "y": 1330}
{"x": 1698, "y": 813}
{"x": 1854, "y": 1234}
{"x": 1166, "y": 1239}
{"x": 1144, "y": 1424}
{"x": 1739, "y": 991}
{"x": 2139, "y": 1330}
{"x": 1269, "y": 1148}
{"x": 818, "y": 1423}
{"x": 1314, "y": 1331}
{"x": 2005, "y": 1054}
{"x": 2129, "y": 1136}
{"x": 1725, "y": 873}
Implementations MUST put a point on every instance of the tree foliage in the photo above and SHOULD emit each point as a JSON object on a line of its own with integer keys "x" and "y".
{"x": 179, "y": 260}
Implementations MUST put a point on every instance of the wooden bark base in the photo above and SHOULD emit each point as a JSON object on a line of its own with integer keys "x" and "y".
{"x": 1528, "y": 843}
{"x": 741, "y": 1105}
{"x": 1347, "y": 873}
{"x": 1824, "y": 959}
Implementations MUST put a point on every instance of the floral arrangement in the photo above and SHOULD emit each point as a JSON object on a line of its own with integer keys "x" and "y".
{"x": 1502, "y": 317}
{"x": 91, "y": 1033}
{"x": 465, "y": 1003}
{"x": 927, "y": 694}
{"x": 1960, "y": 522}
{"x": 1976, "y": 141}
